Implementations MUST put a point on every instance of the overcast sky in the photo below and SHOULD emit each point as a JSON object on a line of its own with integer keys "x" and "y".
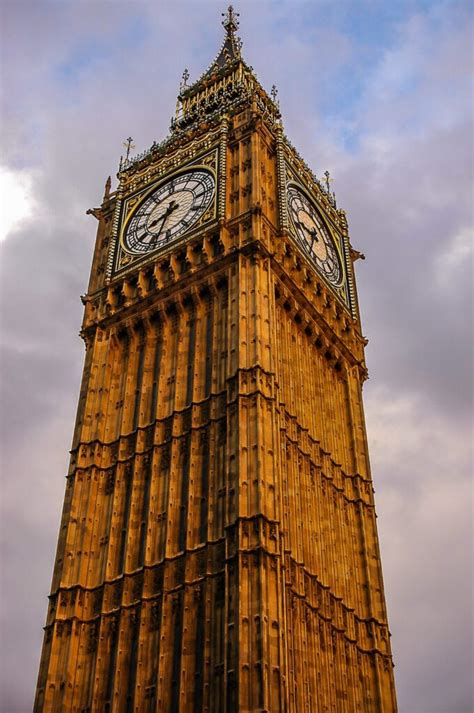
{"x": 378, "y": 93}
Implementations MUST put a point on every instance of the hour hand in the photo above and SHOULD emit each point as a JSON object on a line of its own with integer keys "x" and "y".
{"x": 310, "y": 231}
{"x": 162, "y": 219}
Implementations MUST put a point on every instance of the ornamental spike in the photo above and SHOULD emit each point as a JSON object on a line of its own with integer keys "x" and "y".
{"x": 230, "y": 21}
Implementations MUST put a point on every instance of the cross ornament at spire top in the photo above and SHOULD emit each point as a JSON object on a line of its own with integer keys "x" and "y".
{"x": 328, "y": 180}
{"x": 184, "y": 79}
{"x": 129, "y": 145}
{"x": 230, "y": 21}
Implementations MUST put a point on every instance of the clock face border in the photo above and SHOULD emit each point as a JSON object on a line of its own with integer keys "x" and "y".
{"x": 329, "y": 237}
{"x": 339, "y": 241}
{"x": 151, "y": 191}
{"x": 122, "y": 261}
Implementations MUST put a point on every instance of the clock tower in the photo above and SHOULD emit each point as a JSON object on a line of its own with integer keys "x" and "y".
{"x": 218, "y": 548}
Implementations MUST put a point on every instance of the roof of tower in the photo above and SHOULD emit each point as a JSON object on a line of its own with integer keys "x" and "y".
{"x": 229, "y": 53}
{"x": 225, "y": 85}
{"x": 224, "y": 88}
{"x": 232, "y": 44}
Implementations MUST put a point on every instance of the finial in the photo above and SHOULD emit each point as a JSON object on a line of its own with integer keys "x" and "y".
{"x": 108, "y": 186}
{"x": 184, "y": 80}
{"x": 230, "y": 21}
{"x": 327, "y": 181}
{"x": 128, "y": 144}
{"x": 274, "y": 94}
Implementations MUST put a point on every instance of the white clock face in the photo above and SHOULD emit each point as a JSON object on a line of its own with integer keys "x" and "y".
{"x": 169, "y": 211}
{"x": 313, "y": 235}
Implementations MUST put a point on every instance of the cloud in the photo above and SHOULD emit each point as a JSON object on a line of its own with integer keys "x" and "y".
{"x": 18, "y": 202}
{"x": 456, "y": 256}
{"x": 425, "y": 527}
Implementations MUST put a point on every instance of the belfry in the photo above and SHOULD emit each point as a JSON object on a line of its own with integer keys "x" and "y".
{"x": 218, "y": 548}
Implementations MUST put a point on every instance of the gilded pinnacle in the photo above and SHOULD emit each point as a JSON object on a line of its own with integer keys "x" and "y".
{"x": 184, "y": 79}
{"x": 328, "y": 180}
{"x": 128, "y": 145}
{"x": 230, "y": 22}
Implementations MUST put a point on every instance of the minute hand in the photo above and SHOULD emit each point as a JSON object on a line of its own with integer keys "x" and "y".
{"x": 172, "y": 206}
{"x": 312, "y": 232}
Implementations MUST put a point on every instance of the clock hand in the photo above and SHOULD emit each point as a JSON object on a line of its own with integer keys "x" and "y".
{"x": 311, "y": 231}
{"x": 157, "y": 220}
{"x": 304, "y": 226}
{"x": 172, "y": 206}
{"x": 314, "y": 237}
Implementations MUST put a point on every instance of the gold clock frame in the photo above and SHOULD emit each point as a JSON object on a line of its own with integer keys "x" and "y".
{"x": 121, "y": 260}
{"x": 342, "y": 290}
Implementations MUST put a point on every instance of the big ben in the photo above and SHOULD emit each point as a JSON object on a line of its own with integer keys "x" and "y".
{"x": 218, "y": 547}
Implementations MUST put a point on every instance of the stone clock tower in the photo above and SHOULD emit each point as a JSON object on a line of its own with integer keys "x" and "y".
{"x": 218, "y": 549}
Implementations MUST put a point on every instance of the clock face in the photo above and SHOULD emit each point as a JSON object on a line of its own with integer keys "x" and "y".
{"x": 168, "y": 212}
{"x": 313, "y": 235}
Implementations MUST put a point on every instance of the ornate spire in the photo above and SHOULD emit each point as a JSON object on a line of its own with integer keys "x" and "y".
{"x": 229, "y": 52}
{"x": 232, "y": 44}
{"x": 222, "y": 90}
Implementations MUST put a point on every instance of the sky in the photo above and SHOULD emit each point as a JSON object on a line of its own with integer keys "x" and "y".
{"x": 376, "y": 92}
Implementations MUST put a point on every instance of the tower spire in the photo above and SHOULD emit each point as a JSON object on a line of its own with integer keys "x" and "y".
{"x": 232, "y": 44}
